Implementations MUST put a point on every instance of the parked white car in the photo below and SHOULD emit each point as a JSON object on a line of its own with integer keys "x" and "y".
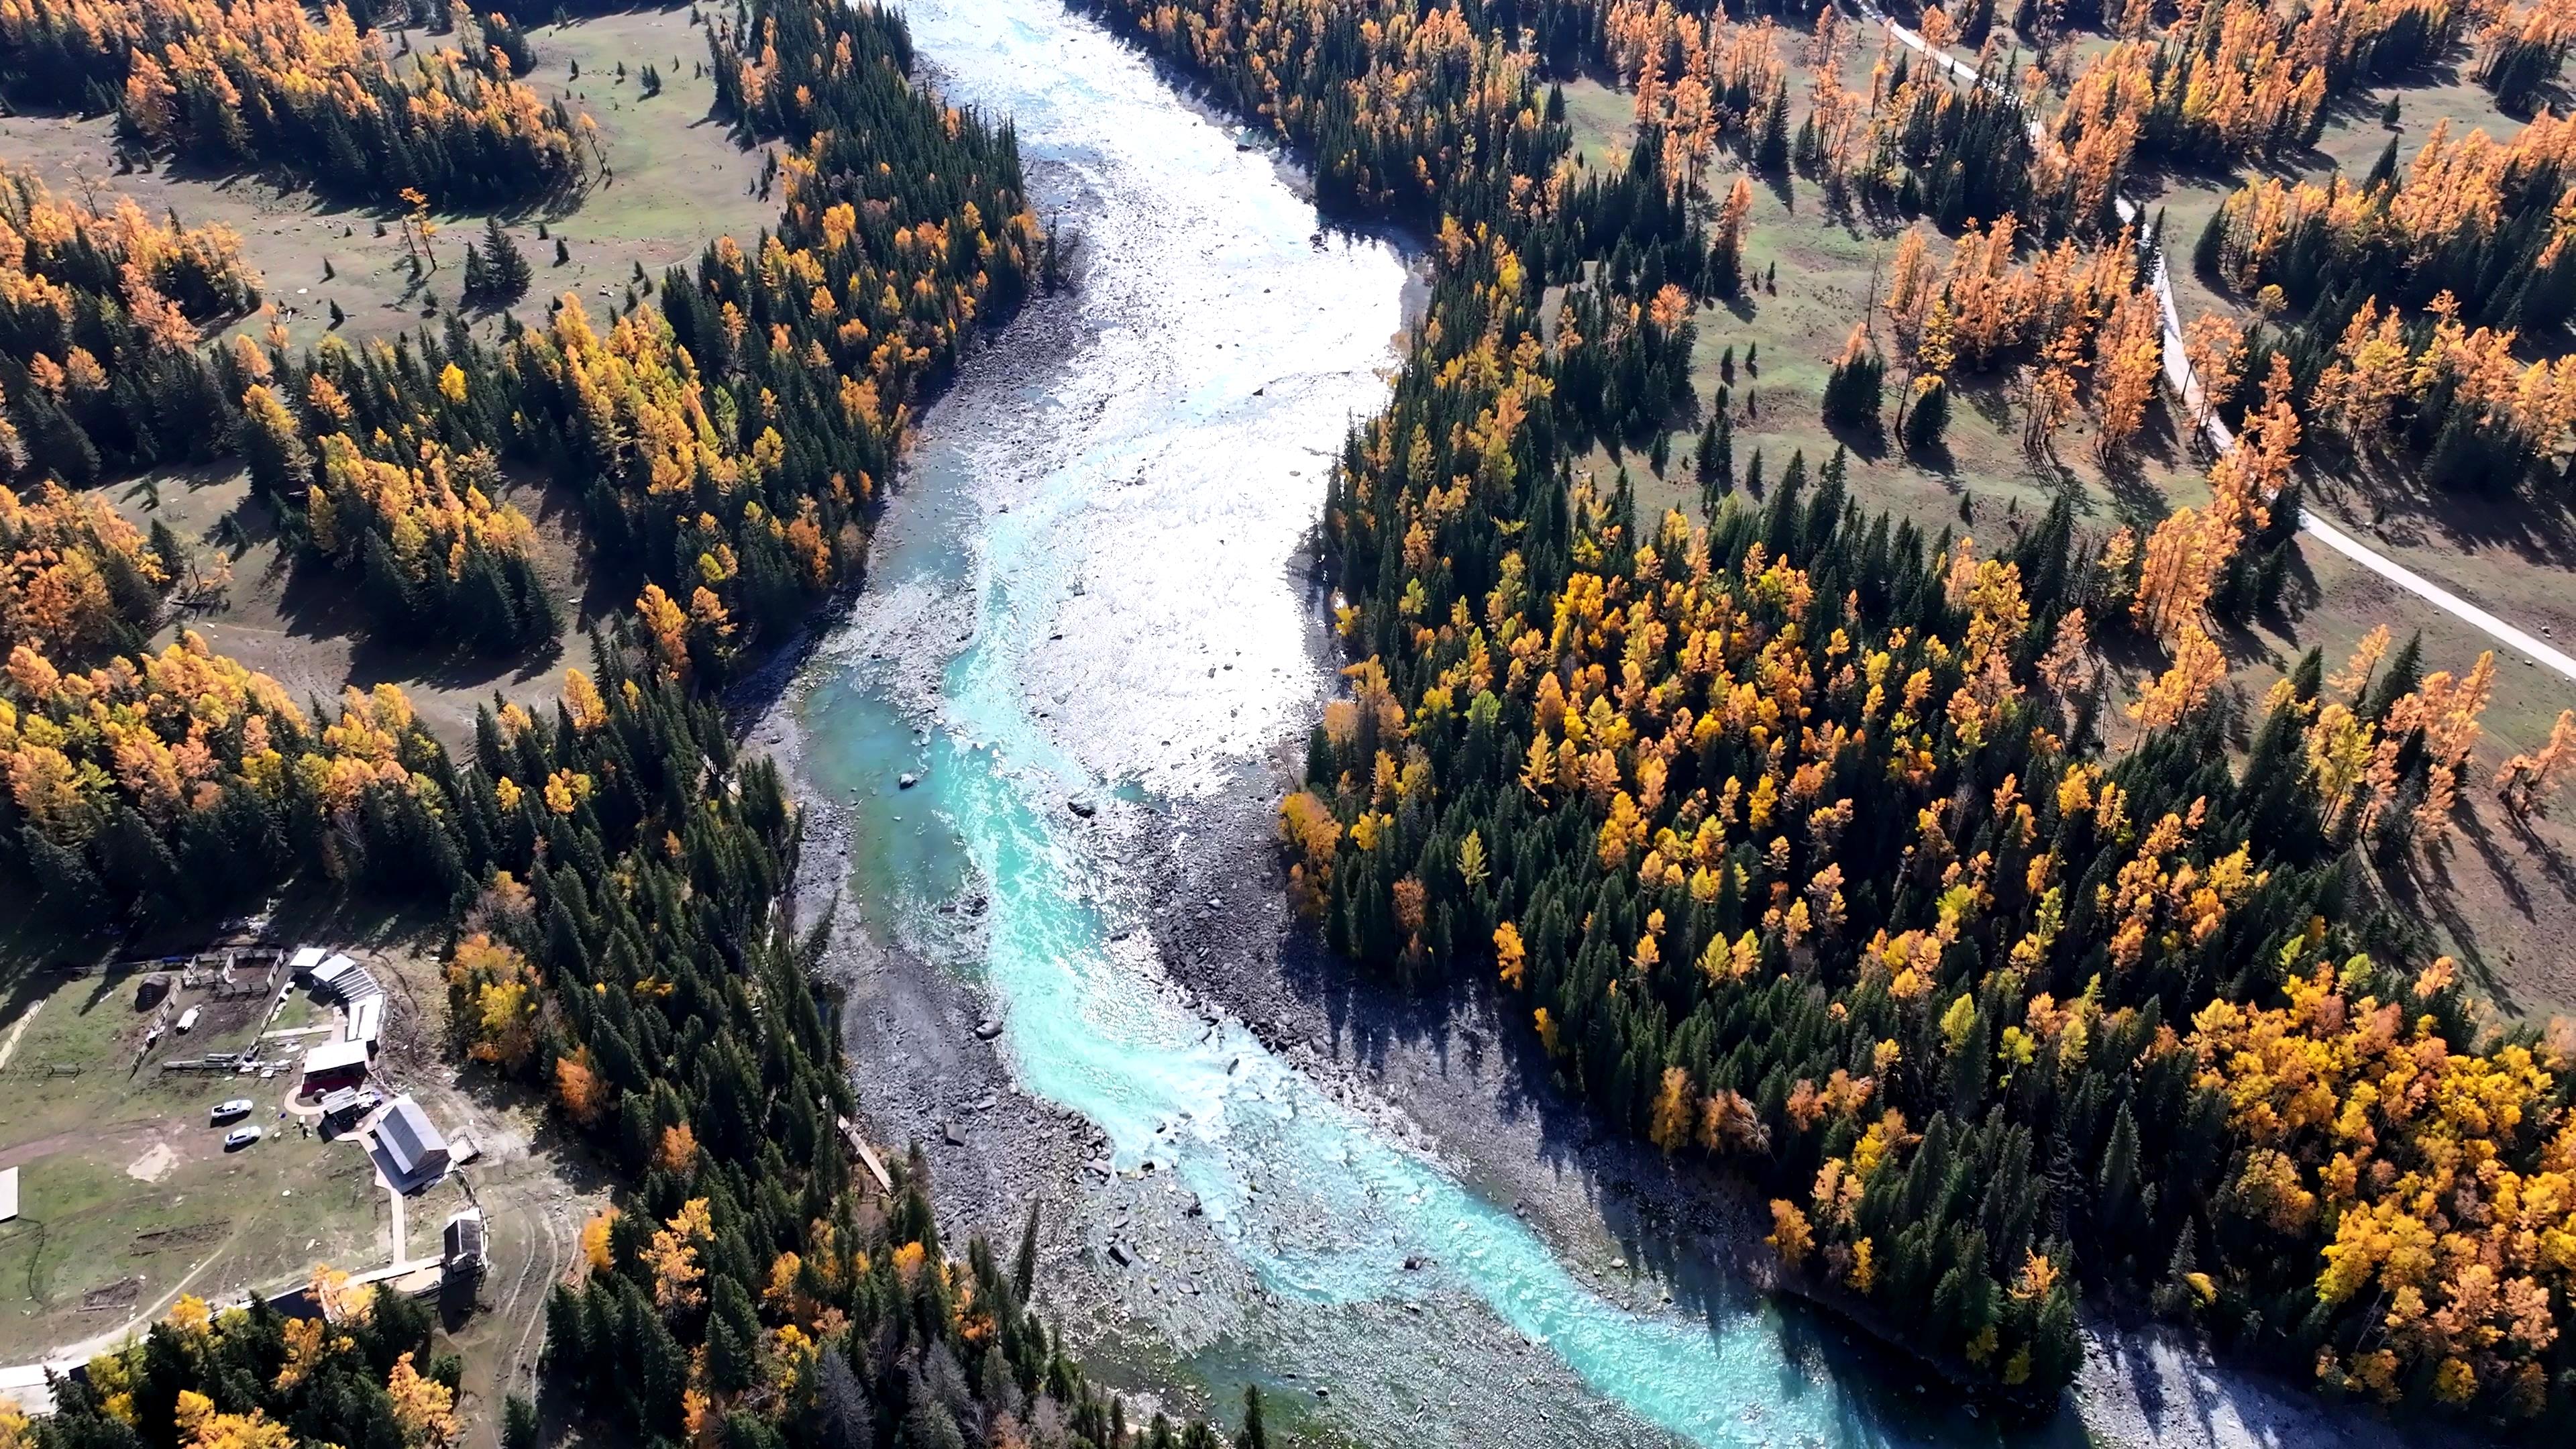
{"x": 227, "y": 1111}
{"x": 241, "y": 1137}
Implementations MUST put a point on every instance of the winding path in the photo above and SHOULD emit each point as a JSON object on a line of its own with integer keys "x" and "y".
{"x": 2186, "y": 386}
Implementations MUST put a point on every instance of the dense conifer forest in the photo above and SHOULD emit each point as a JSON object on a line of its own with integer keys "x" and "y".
{"x": 1813, "y": 848}
{"x": 1808, "y": 842}
{"x": 615, "y": 871}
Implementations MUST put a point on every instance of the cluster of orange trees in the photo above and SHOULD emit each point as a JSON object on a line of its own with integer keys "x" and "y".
{"x": 265, "y": 82}
{"x": 181, "y": 782}
{"x": 2404, "y": 300}
{"x": 2427, "y": 226}
{"x": 254, "y": 1378}
{"x": 1701, "y": 83}
{"x": 2522, "y": 47}
{"x": 728, "y": 441}
{"x": 2073, "y": 318}
{"x": 78, "y": 580}
{"x": 100, "y": 313}
{"x": 1810, "y": 869}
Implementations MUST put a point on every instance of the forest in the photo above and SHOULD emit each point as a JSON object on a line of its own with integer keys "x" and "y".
{"x": 613, "y": 870}
{"x": 229, "y": 84}
{"x": 1815, "y": 846}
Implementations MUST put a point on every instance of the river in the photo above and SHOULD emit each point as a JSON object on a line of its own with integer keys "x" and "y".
{"x": 1088, "y": 621}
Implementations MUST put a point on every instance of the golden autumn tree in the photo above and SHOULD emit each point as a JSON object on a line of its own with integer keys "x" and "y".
{"x": 2214, "y": 349}
{"x": 424, "y": 1408}
{"x": 2197, "y": 669}
{"x": 2526, "y": 781}
{"x": 493, "y": 990}
{"x": 2129, "y": 364}
{"x": 673, "y": 1257}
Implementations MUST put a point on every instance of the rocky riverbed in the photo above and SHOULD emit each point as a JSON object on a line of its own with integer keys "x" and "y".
{"x": 1039, "y": 762}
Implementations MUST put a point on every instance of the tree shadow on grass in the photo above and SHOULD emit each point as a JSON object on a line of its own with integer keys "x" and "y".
{"x": 1867, "y": 441}
{"x": 2423, "y": 888}
{"x": 2387, "y": 496}
{"x": 2135, "y": 498}
{"x": 1936, "y": 458}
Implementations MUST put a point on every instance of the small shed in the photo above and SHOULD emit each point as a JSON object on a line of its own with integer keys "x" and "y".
{"x": 343, "y": 1106}
{"x": 414, "y": 1146}
{"x": 335, "y": 1064}
{"x": 8, "y": 1193}
{"x": 463, "y": 1242}
{"x": 326, "y": 977}
{"x": 148, "y": 992}
{"x": 366, "y": 1020}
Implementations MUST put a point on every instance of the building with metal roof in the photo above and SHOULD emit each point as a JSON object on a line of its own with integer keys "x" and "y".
{"x": 335, "y": 1064}
{"x": 414, "y": 1148}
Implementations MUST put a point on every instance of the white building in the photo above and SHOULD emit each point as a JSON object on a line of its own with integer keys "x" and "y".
{"x": 335, "y": 1064}
{"x": 366, "y": 1020}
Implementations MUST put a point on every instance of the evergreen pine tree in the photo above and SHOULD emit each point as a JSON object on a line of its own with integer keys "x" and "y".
{"x": 2396, "y": 679}
{"x": 1255, "y": 1434}
{"x": 69, "y": 889}
{"x": 2206, "y": 251}
{"x": 1854, "y": 391}
{"x": 507, "y": 267}
{"x": 2117, "y": 1182}
{"x": 1716, "y": 462}
{"x": 2384, "y": 170}
{"x": 1772, "y": 152}
{"x": 1927, "y": 420}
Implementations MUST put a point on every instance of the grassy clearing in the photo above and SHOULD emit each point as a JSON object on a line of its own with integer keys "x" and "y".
{"x": 1604, "y": 121}
{"x": 678, "y": 182}
{"x": 128, "y": 1195}
{"x": 307, "y": 627}
{"x": 126, "y": 1189}
{"x": 1822, "y": 263}
{"x": 2497, "y": 895}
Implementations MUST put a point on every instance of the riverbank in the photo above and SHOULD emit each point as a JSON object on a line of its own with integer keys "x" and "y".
{"x": 1045, "y": 752}
{"x": 1474, "y": 1092}
{"x": 1130, "y": 1266}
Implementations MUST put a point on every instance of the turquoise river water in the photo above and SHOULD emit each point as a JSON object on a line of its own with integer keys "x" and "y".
{"x": 1101, "y": 551}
